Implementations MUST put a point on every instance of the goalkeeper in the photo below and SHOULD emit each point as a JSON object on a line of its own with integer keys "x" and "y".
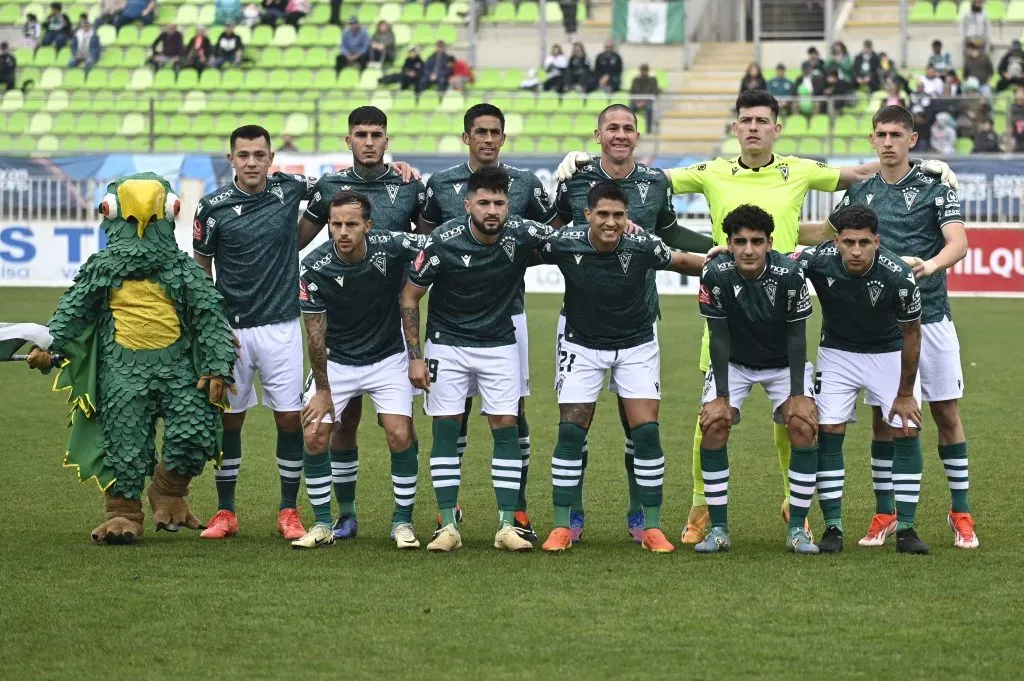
{"x": 778, "y": 184}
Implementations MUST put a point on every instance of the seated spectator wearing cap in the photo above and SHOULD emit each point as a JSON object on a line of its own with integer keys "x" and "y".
{"x": 229, "y": 48}
{"x": 85, "y": 47}
{"x": 412, "y": 69}
{"x": 1011, "y": 68}
{"x": 8, "y": 67}
{"x": 944, "y": 134}
{"x": 752, "y": 79}
{"x": 975, "y": 25}
{"x": 168, "y": 48}
{"x": 644, "y": 84}
{"x": 838, "y": 90}
{"x": 57, "y": 27}
{"x": 198, "y": 52}
{"x": 978, "y": 65}
{"x": 780, "y": 86}
{"x": 608, "y": 69}
{"x": 355, "y": 46}
{"x": 940, "y": 60}
{"x": 436, "y": 70}
{"x": 865, "y": 68}
{"x": 136, "y": 10}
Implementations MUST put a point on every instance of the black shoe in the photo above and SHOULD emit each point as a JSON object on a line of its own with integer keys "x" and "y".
{"x": 831, "y": 541}
{"x": 524, "y": 530}
{"x": 907, "y": 541}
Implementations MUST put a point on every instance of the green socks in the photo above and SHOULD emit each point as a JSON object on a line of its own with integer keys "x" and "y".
{"x": 881, "y": 476}
{"x": 506, "y": 470}
{"x": 446, "y": 467}
{"x": 523, "y": 428}
{"x": 577, "y": 503}
{"x": 628, "y": 461}
{"x": 567, "y": 470}
{"x": 227, "y": 475}
{"x": 344, "y": 471}
{"x": 803, "y": 470}
{"x": 714, "y": 471}
{"x": 831, "y": 476}
{"x": 649, "y": 469}
{"x": 404, "y": 470}
{"x": 907, "y": 467}
{"x": 289, "y": 466}
{"x": 318, "y": 485}
{"x": 954, "y": 460}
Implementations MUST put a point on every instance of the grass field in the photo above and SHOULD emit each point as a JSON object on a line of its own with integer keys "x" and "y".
{"x": 175, "y": 606}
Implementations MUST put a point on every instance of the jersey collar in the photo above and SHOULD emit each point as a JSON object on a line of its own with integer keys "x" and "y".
{"x": 596, "y": 250}
{"x": 366, "y": 252}
{"x": 600, "y": 167}
{"x": 866, "y": 272}
{"x": 234, "y": 182}
{"x": 910, "y": 174}
{"x": 387, "y": 170}
{"x": 741, "y": 164}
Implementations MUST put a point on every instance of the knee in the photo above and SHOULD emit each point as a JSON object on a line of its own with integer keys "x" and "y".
{"x": 800, "y": 434}
{"x": 400, "y": 437}
{"x": 315, "y": 439}
{"x": 946, "y": 415}
{"x": 287, "y": 420}
{"x": 716, "y": 435}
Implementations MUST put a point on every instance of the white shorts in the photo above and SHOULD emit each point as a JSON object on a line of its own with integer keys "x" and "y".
{"x": 636, "y": 372}
{"x": 275, "y": 351}
{"x": 386, "y": 382}
{"x": 454, "y": 370}
{"x": 559, "y": 360}
{"x": 841, "y": 375}
{"x": 742, "y": 379}
{"x": 941, "y": 376}
{"x": 523, "y": 346}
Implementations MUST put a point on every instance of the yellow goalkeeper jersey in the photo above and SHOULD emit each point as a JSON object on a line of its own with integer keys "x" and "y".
{"x": 779, "y": 188}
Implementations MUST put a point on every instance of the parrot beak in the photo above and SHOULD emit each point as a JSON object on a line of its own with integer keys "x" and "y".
{"x": 142, "y": 199}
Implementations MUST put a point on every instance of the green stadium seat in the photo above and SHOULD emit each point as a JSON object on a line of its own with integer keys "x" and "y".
{"x": 74, "y": 79}
{"x": 414, "y": 124}
{"x": 367, "y": 14}
{"x": 349, "y": 79}
{"x": 846, "y": 126}
{"x": 794, "y": 125}
{"x": 548, "y": 145}
{"x": 193, "y": 101}
{"x": 209, "y": 80}
{"x": 547, "y": 103}
{"x": 262, "y": 36}
{"x": 861, "y": 147}
{"x": 503, "y": 13}
{"x": 12, "y": 100}
{"x": 320, "y": 14}
{"x": 411, "y": 13}
{"x": 17, "y": 122}
{"x": 118, "y": 79}
{"x": 487, "y": 79}
{"x": 40, "y": 123}
{"x": 71, "y": 144}
{"x": 423, "y": 35}
{"x": 231, "y": 79}
{"x": 946, "y": 11}
{"x": 596, "y": 102}
{"x": 108, "y": 124}
{"x": 284, "y": 35}
{"x": 10, "y": 14}
{"x": 964, "y": 146}
{"x": 436, "y": 12}
{"x": 202, "y": 124}
{"x": 450, "y": 144}
{"x": 330, "y": 36}
{"x": 392, "y": 13}
{"x": 57, "y": 101}
{"x": 297, "y": 124}
{"x": 403, "y": 35}
{"x": 24, "y": 144}
{"x": 818, "y": 126}
{"x": 147, "y": 35}
{"x": 141, "y": 79}
{"x": 453, "y": 102}
{"x": 522, "y": 103}
{"x": 553, "y": 13}
{"x": 425, "y": 144}
{"x": 1015, "y": 11}
{"x": 188, "y": 79}
{"x": 50, "y": 79}
{"x": 405, "y": 101}
{"x": 107, "y": 35}
{"x": 308, "y": 35}
{"x": 133, "y": 124}
{"x": 514, "y": 124}
{"x": 188, "y": 15}
{"x": 438, "y": 125}
{"x": 369, "y": 79}
{"x": 523, "y": 145}
{"x": 164, "y": 79}
{"x": 164, "y": 145}
{"x": 45, "y": 56}
{"x": 922, "y": 12}
{"x": 996, "y": 9}
{"x": 400, "y": 145}
{"x": 188, "y": 145}
{"x": 255, "y": 81}
{"x": 207, "y": 17}
{"x": 511, "y": 78}
{"x": 786, "y": 146}
{"x": 529, "y": 13}
{"x": 212, "y": 145}
{"x": 559, "y": 124}
{"x": 290, "y": 58}
{"x": 810, "y": 146}
{"x": 279, "y": 79}
{"x": 382, "y": 100}
{"x": 447, "y": 34}
{"x": 301, "y": 80}
{"x": 139, "y": 144}
{"x": 573, "y": 104}
{"x": 94, "y": 144}
{"x": 179, "y": 124}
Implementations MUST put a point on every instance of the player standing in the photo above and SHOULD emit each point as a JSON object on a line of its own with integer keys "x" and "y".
{"x": 920, "y": 217}
{"x": 870, "y": 341}
{"x": 247, "y": 229}
{"x": 757, "y": 304}
{"x": 396, "y": 206}
{"x": 650, "y": 207}
{"x": 348, "y": 291}
{"x": 475, "y": 265}
{"x": 609, "y": 326}
{"x": 483, "y": 131}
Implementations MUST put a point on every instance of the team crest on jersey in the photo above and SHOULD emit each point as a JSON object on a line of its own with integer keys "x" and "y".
{"x": 784, "y": 170}
{"x": 457, "y": 187}
{"x": 278, "y": 192}
{"x": 875, "y": 291}
{"x": 577, "y": 257}
{"x": 237, "y": 209}
{"x": 392, "y": 192}
{"x": 769, "y": 290}
{"x": 509, "y": 246}
{"x": 381, "y": 263}
{"x": 642, "y": 187}
{"x": 909, "y": 194}
{"x": 466, "y": 259}
{"x": 869, "y": 197}
{"x": 624, "y": 259}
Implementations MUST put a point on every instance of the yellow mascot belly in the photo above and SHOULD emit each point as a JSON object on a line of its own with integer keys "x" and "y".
{"x": 144, "y": 317}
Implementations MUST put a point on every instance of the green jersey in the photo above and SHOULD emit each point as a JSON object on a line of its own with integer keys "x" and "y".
{"x": 862, "y": 312}
{"x": 527, "y": 198}
{"x": 254, "y": 242}
{"x": 650, "y": 205}
{"x": 911, "y": 215}
{"x": 395, "y": 206}
{"x": 605, "y": 304}
{"x": 758, "y": 309}
{"x": 360, "y": 299}
{"x": 474, "y": 284}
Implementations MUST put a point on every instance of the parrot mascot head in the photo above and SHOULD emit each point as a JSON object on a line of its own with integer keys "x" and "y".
{"x": 138, "y": 216}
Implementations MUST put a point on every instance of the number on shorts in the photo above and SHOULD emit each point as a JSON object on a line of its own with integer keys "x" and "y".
{"x": 817, "y": 383}
{"x": 565, "y": 360}
{"x": 432, "y": 370}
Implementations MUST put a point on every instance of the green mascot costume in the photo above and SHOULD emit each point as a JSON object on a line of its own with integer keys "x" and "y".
{"x": 142, "y": 334}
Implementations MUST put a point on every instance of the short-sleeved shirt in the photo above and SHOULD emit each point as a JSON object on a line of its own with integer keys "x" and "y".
{"x": 474, "y": 283}
{"x": 254, "y": 242}
{"x": 360, "y": 299}
{"x": 862, "y": 312}
{"x": 758, "y": 309}
{"x": 779, "y": 188}
{"x": 650, "y": 205}
{"x": 527, "y": 198}
{"x": 911, "y": 215}
{"x": 605, "y": 303}
{"x": 394, "y": 205}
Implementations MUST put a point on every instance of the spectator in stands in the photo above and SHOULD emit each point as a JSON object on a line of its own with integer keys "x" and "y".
{"x": 251, "y": 15}
{"x": 920, "y": 100}
{"x": 296, "y": 11}
{"x": 436, "y": 69}
{"x": 1016, "y": 129}
{"x": 944, "y": 134}
{"x": 972, "y": 109}
{"x": 839, "y": 90}
{"x": 382, "y": 45}
{"x": 941, "y": 60}
{"x": 608, "y": 69}
{"x": 978, "y": 65}
{"x": 780, "y": 86}
{"x": 288, "y": 144}
{"x": 569, "y": 19}
{"x": 840, "y": 61}
{"x": 136, "y": 10}
{"x": 31, "y": 30}
{"x": 199, "y": 51}
{"x": 555, "y": 66}
{"x": 752, "y": 79}
{"x": 923, "y": 128}
{"x": 577, "y": 76}
{"x": 229, "y": 49}
{"x": 8, "y": 67}
{"x": 933, "y": 82}
{"x": 355, "y": 46}
{"x": 85, "y": 47}
{"x": 986, "y": 141}
{"x": 109, "y": 11}
{"x": 814, "y": 61}
{"x": 975, "y": 24}
{"x": 273, "y": 11}
{"x": 893, "y": 94}
{"x": 412, "y": 68}
{"x": 887, "y": 71}
{"x": 57, "y": 27}
{"x": 83, "y": 18}
{"x": 168, "y": 48}
{"x": 865, "y": 68}
{"x": 461, "y": 73}
{"x": 644, "y": 84}
{"x": 807, "y": 86}
{"x": 1011, "y": 67}
{"x": 227, "y": 12}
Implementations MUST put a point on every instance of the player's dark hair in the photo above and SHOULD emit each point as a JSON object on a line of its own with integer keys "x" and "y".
{"x": 752, "y": 98}
{"x": 855, "y": 217}
{"x": 615, "y": 107}
{"x": 476, "y": 111}
{"x": 893, "y": 114}
{"x": 347, "y": 197}
{"x": 249, "y": 132}
{"x": 491, "y": 178}
{"x": 748, "y": 216}
{"x": 606, "y": 190}
{"x": 367, "y": 115}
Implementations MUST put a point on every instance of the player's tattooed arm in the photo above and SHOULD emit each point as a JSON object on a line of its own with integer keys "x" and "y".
{"x": 579, "y": 414}
{"x": 906, "y": 405}
{"x": 316, "y": 344}
{"x": 410, "y": 309}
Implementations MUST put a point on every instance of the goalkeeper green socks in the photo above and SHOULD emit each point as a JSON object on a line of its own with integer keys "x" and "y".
{"x": 566, "y": 470}
{"x": 831, "y": 477}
